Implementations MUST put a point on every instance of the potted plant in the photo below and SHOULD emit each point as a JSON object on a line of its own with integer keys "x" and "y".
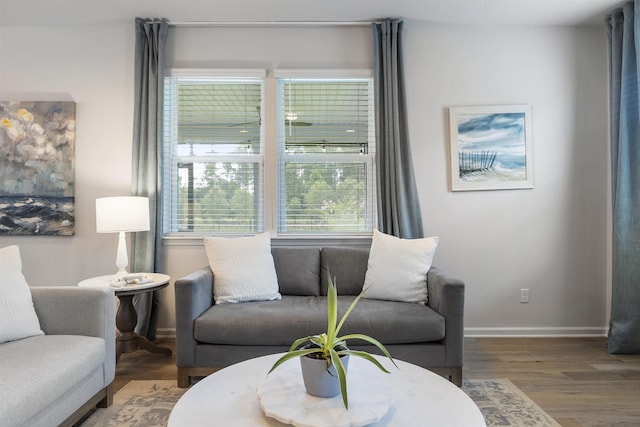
{"x": 331, "y": 351}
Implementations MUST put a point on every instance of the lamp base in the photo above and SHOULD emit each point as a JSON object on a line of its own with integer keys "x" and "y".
{"x": 120, "y": 274}
{"x": 122, "y": 260}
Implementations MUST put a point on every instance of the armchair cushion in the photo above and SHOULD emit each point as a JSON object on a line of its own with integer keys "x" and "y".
{"x": 18, "y": 318}
{"x": 50, "y": 366}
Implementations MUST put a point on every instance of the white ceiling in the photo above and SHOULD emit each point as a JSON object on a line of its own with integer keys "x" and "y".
{"x": 465, "y": 12}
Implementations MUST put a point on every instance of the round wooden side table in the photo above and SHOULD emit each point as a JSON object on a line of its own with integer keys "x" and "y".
{"x": 127, "y": 317}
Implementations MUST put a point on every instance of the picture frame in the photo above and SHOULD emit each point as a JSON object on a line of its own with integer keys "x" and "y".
{"x": 491, "y": 147}
{"x": 37, "y": 168}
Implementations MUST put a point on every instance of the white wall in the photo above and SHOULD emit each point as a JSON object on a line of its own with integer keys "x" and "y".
{"x": 551, "y": 239}
{"x": 92, "y": 66}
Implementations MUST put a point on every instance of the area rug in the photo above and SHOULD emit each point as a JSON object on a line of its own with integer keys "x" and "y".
{"x": 148, "y": 404}
{"x": 504, "y": 404}
{"x": 139, "y": 404}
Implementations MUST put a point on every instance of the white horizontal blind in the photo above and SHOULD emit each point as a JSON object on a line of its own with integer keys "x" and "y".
{"x": 326, "y": 151}
{"x": 214, "y": 155}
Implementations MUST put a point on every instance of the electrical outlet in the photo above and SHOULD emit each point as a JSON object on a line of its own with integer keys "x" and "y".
{"x": 524, "y": 295}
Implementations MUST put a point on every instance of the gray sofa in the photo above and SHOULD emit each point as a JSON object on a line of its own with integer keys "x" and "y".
{"x": 210, "y": 335}
{"x": 54, "y": 379}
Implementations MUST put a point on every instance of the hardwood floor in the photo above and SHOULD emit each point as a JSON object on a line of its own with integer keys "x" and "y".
{"x": 142, "y": 365}
{"x": 573, "y": 379}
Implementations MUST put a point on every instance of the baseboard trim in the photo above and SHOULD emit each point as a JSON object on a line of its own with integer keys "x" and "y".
{"x": 166, "y": 333}
{"x": 537, "y": 332}
{"x": 515, "y": 332}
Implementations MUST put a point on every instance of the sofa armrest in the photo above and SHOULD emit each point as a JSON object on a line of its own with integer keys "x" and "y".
{"x": 446, "y": 296}
{"x": 69, "y": 310}
{"x": 194, "y": 295}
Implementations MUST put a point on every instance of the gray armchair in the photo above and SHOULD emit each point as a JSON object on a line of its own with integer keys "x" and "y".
{"x": 79, "y": 342}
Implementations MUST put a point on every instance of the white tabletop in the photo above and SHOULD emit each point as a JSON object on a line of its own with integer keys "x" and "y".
{"x": 157, "y": 279}
{"x": 230, "y": 396}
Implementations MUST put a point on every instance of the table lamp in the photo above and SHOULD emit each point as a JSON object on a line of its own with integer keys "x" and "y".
{"x": 120, "y": 215}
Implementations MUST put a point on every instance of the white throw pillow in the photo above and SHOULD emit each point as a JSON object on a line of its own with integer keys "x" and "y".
{"x": 243, "y": 269}
{"x": 18, "y": 318}
{"x": 397, "y": 268}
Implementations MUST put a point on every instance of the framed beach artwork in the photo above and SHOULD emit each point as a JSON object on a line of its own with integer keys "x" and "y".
{"x": 491, "y": 147}
{"x": 37, "y": 171}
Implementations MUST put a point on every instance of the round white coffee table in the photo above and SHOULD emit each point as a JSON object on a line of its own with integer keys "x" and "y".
{"x": 230, "y": 396}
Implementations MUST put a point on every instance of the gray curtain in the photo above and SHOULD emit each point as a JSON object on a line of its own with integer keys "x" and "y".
{"x": 398, "y": 205}
{"x": 146, "y": 256}
{"x": 624, "y": 328}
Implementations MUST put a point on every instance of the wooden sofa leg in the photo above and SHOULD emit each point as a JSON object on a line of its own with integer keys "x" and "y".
{"x": 456, "y": 376}
{"x": 184, "y": 379}
{"x": 102, "y": 399}
{"x": 107, "y": 400}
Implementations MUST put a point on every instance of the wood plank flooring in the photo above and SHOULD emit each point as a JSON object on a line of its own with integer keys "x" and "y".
{"x": 573, "y": 379}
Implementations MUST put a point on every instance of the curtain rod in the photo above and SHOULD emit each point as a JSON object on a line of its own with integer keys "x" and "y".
{"x": 268, "y": 23}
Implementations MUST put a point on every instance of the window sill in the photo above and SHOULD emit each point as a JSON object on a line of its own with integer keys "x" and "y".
{"x": 281, "y": 241}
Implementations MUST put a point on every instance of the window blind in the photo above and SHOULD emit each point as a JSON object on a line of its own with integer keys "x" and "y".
{"x": 326, "y": 154}
{"x": 213, "y": 132}
{"x": 223, "y": 116}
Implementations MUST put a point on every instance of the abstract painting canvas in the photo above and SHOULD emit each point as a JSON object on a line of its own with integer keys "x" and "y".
{"x": 37, "y": 170}
{"x": 491, "y": 147}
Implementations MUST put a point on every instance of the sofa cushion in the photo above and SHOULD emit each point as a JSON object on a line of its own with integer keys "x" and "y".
{"x": 397, "y": 268}
{"x": 282, "y": 322}
{"x": 43, "y": 368}
{"x": 18, "y": 317}
{"x": 347, "y": 265}
{"x": 243, "y": 268}
{"x": 298, "y": 270}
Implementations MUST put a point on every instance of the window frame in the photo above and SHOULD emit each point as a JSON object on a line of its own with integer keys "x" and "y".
{"x": 348, "y": 158}
{"x": 269, "y": 160}
{"x": 171, "y": 160}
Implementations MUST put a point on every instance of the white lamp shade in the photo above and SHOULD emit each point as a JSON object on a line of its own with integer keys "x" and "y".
{"x": 115, "y": 214}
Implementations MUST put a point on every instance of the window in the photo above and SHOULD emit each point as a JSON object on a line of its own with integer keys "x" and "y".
{"x": 316, "y": 170}
{"x": 326, "y": 156}
{"x": 214, "y": 166}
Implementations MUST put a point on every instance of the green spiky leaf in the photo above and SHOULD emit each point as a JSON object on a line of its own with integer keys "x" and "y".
{"x": 291, "y": 355}
{"x": 342, "y": 376}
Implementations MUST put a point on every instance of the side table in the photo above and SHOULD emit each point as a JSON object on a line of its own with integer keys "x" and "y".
{"x": 126, "y": 317}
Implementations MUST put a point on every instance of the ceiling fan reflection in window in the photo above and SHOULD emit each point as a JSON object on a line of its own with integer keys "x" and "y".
{"x": 290, "y": 119}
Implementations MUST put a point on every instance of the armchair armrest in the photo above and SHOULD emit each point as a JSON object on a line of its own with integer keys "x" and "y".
{"x": 446, "y": 296}
{"x": 194, "y": 295}
{"x": 69, "y": 310}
